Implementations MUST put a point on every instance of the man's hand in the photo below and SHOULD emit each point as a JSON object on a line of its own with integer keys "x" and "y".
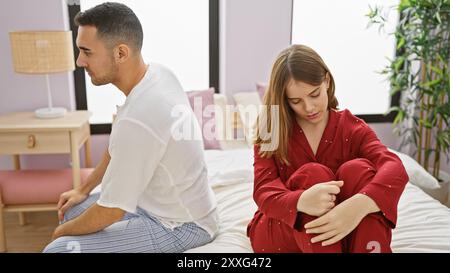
{"x": 320, "y": 198}
{"x": 340, "y": 221}
{"x": 57, "y": 233}
{"x": 92, "y": 220}
{"x": 69, "y": 199}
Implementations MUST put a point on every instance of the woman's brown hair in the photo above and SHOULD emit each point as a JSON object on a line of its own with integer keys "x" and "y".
{"x": 273, "y": 128}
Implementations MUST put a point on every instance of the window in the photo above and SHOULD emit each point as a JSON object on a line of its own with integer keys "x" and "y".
{"x": 355, "y": 54}
{"x": 180, "y": 34}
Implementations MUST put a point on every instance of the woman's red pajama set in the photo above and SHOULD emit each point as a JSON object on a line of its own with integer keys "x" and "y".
{"x": 350, "y": 151}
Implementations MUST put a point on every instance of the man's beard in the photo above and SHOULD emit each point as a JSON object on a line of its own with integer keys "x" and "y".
{"x": 105, "y": 78}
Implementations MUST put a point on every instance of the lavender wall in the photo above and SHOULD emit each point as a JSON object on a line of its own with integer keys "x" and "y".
{"x": 252, "y": 32}
{"x": 20, "y": 92}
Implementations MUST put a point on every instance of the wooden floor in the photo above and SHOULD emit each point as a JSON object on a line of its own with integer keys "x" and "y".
{"x": 32, "y": 237}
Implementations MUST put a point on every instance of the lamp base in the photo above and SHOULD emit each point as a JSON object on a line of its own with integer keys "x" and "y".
{"x": 54, "y": 112}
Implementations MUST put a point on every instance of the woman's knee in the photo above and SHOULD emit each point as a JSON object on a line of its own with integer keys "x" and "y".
{"x": 310, "y": 174}
{"x": 356, "y": 174}
{"x": 349, "y": 168}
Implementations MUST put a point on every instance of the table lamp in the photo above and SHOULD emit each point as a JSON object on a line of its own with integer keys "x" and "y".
{"x": 43, "y": 52}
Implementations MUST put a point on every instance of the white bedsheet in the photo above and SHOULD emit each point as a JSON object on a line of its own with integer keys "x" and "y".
{"x": 423, "y": 223}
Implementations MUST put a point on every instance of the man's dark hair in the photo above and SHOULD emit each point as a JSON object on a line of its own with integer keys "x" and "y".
{"x": 115, "y": 23}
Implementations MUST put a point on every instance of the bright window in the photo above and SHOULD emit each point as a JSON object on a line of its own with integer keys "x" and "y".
{"x": 176, "y": 34}
{"x": 338, "y": 31}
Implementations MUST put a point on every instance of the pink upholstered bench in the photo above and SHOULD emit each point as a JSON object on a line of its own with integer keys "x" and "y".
{"x": 33, "y": 190}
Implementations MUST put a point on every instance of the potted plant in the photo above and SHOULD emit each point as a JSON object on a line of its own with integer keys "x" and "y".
{"x": 420, "y": 72}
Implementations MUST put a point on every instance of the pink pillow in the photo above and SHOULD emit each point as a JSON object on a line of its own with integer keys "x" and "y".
{"x": 261, "y": 89}
{"x": 200, "y": 100}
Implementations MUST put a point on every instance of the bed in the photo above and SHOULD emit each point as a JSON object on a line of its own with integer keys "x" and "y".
{"x": 423, "y": 223}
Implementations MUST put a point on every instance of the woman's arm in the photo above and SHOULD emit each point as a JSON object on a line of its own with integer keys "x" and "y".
{"x": 390, "y": 179}
{"x": 341, "y": 220}
{"x": 381, "y": 194}
{"x": 271, "y": 195}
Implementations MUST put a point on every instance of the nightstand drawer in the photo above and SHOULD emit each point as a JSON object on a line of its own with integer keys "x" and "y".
{"x": 34, "y": 143}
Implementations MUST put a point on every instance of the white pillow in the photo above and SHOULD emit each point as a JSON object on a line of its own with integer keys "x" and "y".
{"x": 417, "y": 174}
{"x": 248, "y": 104}
{"x": 220, "y": 102}
{"x": 224, "y": 125}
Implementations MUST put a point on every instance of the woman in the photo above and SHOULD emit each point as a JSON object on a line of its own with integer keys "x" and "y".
{"x": 325, "y": 182}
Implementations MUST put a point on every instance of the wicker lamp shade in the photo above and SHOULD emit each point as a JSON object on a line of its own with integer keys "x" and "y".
{"x": 42, "y": 52}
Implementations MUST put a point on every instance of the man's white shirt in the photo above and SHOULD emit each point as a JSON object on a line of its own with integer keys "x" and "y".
{"x": 149, "y": 167}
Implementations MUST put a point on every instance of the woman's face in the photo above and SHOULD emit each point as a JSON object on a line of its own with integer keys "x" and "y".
{"x": 309, "y": 102}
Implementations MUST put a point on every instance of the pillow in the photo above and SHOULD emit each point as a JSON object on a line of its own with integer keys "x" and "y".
{"x": 248, "y": 104}
{"x": 201, "y": 102}
{"x": 222, "y": 120}
{"x": 417, "y": 174}
{"x": 226, "y": 128}
{"x": 261, "y": 89}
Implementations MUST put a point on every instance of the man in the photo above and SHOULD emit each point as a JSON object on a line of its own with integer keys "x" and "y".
{"x": 154, "y": 192}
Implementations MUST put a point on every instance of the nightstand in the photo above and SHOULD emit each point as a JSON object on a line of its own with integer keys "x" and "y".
{"x": 23, "y": 133}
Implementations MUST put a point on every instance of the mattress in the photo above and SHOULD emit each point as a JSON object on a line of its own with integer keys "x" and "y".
{"x": 423, "y": 223}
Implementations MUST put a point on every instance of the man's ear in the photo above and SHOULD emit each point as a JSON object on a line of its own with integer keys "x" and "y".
{"x": 121, "y": 53}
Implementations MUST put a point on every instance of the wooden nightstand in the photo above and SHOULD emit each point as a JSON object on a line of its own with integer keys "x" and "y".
{"x": 23, "y": 133}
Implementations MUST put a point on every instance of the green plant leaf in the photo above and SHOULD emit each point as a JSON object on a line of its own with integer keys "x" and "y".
{"x": 437, "y": 70}
{"x": 398, "y": 63}
{"x": 438, "y": 17}
{"x": 431, "y": 83}
{"x": 403, "y": 5}
{"x": 427, "y": 124}
{"x": 393, "y": 109}
{"x": 399, "y": 117}
{"x": 401, "y": 43}
{"x": 422, "y": 36}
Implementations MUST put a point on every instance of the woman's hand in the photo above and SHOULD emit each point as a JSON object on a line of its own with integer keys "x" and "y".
{"x": 320, "y": 198}
{"x": 338, "y": 222}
